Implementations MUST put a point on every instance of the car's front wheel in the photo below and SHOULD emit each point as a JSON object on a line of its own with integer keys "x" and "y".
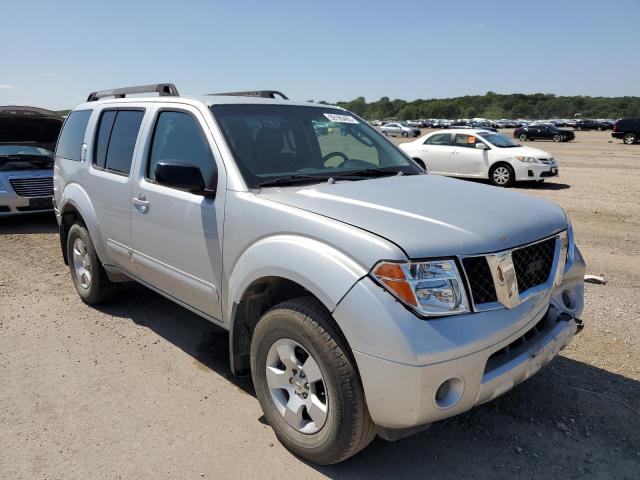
{"x": 629, "y": 138}
{"x": 502, "y": 175}
{"x": 523, "y": 137}
{"x": 88, "y": 274}
{"x": 405, "y": 134}
{"x": 384, "y": 132}
{"x": 307, "y": 384}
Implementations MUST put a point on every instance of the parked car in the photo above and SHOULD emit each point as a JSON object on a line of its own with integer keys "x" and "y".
{"x": 399, "y": 129}
{"x": 627, "y": 129}
{"x": 604, "y": 125}
{"x": 480, "y": 154}
{"x": 363, "y": 295}
{"x": 543, "y": 132}
{"x": 27, "y": 140}
{"x": 585, "y": 125}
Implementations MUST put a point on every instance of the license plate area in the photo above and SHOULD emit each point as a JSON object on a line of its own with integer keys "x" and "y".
{"x": 44, "y": 203}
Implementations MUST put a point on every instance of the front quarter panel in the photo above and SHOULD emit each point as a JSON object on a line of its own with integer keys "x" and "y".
{"x": 263, "y": 238}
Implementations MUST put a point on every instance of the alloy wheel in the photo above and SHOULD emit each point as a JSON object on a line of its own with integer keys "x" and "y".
{"x": 82, "y": 263}
{"x": 297, "y": 386}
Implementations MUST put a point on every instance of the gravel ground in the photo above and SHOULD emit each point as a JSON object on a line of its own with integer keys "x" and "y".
{"x": 140, "y": 388}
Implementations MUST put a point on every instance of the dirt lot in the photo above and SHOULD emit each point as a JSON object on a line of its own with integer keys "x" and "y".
{"x": 141, "y": 388}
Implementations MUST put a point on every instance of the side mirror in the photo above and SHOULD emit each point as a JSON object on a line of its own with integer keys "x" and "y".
{"x": 481, "y": 146}
{"x": 183, "y": 176}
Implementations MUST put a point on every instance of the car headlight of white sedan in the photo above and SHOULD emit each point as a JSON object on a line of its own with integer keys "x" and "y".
{"x": 430, "y": 288}
{"x": 527, "y": 159}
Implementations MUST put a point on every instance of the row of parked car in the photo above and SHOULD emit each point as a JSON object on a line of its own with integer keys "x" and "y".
{"x": 580, "y": 124}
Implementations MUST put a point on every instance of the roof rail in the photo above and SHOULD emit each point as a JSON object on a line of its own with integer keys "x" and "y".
{"x": 163, "y": 89}
{"x": 255, "y": 93}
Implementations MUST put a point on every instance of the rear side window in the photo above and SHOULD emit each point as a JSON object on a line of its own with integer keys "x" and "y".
{"x": 179, "y": 138}
{"x": 438, "y": 139}
{"x": 72, "y": 135}
{"x": 116, "y": 139}
{"x": 102, "y": 139}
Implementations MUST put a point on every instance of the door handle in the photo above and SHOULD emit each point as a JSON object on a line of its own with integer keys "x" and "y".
{"x": 141, "y": 203}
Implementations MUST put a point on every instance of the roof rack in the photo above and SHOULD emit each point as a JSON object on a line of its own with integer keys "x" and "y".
{"x": 255, "y": 93}
{"x": 163, "y": 89}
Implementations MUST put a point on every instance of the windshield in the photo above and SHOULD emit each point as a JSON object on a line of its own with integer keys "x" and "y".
{"x": 293, "y": 143}
{"x": 498, "y": 140}
{"x": 24, "y": 157}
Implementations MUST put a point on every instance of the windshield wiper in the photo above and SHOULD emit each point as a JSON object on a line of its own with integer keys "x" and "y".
{"x": 292, "y": 179}
{"x": 367, "y": 173}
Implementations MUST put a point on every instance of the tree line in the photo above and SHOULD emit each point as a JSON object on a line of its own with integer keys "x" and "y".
{"x": 493, "y": 105}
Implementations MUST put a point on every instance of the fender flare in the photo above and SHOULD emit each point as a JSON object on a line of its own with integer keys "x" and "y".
{"x": 323, "y": 270}
{"x": 75, "y": 196}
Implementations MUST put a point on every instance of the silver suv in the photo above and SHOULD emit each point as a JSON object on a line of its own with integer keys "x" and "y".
{"x": 363, "y": 295}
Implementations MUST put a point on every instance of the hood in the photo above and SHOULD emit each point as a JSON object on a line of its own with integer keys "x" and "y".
{"x": 29, "y": 126}
{"x": 525, "y": 152}
{"x": 431, "y": 216}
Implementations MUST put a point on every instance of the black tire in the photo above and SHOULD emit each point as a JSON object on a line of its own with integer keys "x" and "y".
{"x": 384, "y": 132}
{"x": 629, "y": 138}
{"x": 405, "y": 134}
{"x": 498, "y": 183}
{"x": 99, "y": 288}
{"x": 348, "y": 427}
{"x": 557, "y": 138}
{"x": 523, "y": 137}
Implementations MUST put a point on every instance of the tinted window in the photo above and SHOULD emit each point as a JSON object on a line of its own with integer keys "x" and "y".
{"x": 123, "y": 140}
{"x": 438, "y": 139}
{"x": 178, "y": 138}
{"x": 102, "y": 137}
{"x": 72, "y": 136}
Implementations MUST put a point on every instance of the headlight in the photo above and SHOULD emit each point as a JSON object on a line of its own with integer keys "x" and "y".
{"x": 527, "y": 159}
{"x": 431, "y": 288}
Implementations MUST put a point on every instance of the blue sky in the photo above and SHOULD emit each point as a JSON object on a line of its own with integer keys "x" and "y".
{"x": 53, "y": 53}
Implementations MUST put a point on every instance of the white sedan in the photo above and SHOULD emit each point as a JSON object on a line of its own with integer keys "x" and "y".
{"x": 480, "y": 154}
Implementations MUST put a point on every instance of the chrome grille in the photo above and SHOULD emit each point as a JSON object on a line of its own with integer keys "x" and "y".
{"x": 33, "y": 187}
{"x": 530, "y": 266}
{"x": 480, "y": 280}
{"x": 533, "y": 264}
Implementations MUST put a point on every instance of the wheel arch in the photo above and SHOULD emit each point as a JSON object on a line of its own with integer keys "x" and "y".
{"x": 76, "y": 206}
{"x": 258, "y": 282}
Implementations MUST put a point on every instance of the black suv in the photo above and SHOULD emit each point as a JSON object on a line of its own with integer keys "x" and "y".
{"x": 543, "y": 132}
{"x": 628, "y": 129}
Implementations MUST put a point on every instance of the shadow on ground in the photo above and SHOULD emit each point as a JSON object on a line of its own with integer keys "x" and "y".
{"x": 28, "y": 224}
{"x": 572, "y": 420}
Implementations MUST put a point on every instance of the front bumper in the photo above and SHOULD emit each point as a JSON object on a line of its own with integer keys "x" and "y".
{"x": 415, "y": 372}
{"x": 11, "y": 203}
{"x": 535, "y": 171}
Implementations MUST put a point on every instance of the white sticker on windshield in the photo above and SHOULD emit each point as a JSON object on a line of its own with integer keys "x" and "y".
{"x": 334, "y": 117}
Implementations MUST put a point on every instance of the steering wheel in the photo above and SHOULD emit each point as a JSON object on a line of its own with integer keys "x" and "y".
{"x": 335, "y": 154}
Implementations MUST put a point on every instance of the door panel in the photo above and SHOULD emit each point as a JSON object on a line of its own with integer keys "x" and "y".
{"x": 177, "y": 235}
{"x": 436, "y": 158}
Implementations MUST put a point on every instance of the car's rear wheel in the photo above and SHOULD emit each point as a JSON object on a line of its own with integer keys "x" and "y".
{"x": 557, "y": 138}
{"x": 87, "y": 273}
{"x": 502, "y": 175}
{"x": 307, "y": 384}
{"x": 629, "y": 138}
{"x": 523, "y": 137}
{"x": 405, "y": 134}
